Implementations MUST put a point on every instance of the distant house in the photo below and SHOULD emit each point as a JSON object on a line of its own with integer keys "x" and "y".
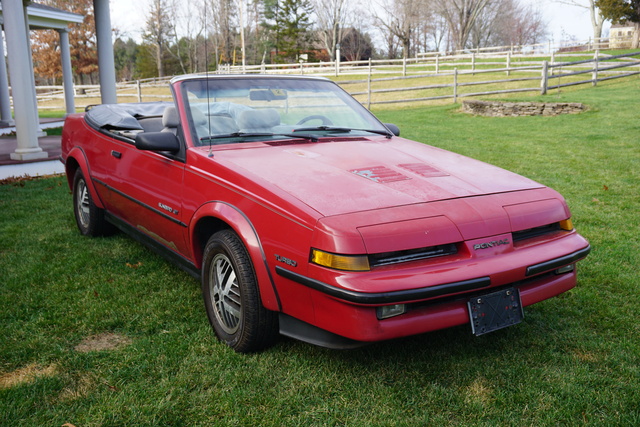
{"x": 622, "y": 36}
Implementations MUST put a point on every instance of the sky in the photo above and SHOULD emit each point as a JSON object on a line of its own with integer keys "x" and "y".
{"x": 564, "y": 21}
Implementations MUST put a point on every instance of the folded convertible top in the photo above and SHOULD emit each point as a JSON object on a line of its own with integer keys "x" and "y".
{"x": 123, "y": 116}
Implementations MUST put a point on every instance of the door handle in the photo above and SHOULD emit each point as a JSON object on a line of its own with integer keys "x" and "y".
{"x": 116, "y": 154}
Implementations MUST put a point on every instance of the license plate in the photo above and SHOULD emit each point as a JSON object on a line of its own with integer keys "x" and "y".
{"x": 495, "y": 311}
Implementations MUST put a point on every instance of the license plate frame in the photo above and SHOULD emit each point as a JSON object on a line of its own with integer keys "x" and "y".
{"x": 496, "y": 310}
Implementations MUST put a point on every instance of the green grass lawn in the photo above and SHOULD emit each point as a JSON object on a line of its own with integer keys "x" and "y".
{"x": 574, "y": 360}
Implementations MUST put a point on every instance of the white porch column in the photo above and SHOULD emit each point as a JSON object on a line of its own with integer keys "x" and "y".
{"x": 21, "y": 74}
{"x": 40, "y": 132}
{"x": 5, "y": 102}
{"x": 106, "y": 65}
{"x": 67, "y": 76}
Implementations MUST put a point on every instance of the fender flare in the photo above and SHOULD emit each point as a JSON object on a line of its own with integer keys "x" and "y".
{"x": 235, "y": 219}
{"x": 77, "y": 154}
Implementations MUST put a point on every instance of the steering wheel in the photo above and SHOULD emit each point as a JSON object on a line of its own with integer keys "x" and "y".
{"x": 324, "y": 119}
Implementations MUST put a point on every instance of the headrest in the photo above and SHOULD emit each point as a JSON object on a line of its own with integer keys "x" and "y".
{"x": 170, "y": 118}
{"x": 259, "y": 119}
{"x": 199, "y": 119}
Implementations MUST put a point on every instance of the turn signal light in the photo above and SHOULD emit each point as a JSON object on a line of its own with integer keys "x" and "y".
{"x": 340, "y": 262}
{"x": 566, "y": 224}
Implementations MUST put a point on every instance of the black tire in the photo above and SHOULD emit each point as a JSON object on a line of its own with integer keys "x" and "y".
{"x": 89, "y": 218}
{"x": 231, "y": 296}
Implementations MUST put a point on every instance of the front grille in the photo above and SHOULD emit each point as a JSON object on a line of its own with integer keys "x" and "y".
{"x": 530, "y": 233}
{"x": 386, "y": 258}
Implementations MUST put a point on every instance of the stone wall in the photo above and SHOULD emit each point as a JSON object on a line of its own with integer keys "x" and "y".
{"x": 513, "y": 109}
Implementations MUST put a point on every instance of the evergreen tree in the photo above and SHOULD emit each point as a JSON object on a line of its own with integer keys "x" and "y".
{"x": 289, "y": 23}
{"x": 620, "y": 11}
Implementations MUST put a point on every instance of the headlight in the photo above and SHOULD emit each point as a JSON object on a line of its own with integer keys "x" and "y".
{"x": 340, "y": 262}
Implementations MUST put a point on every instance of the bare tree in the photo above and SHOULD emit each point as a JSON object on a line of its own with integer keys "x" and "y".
{"x": 187, "y": 29}
{"x": 461, "y": 16}
{"x": 220, "y": 15}
{"x": 158, "y": 31}
{"x": 507, "y": 22}
{"x": 399, "y": 19}
{"x": 597, "y": 18}
{"x": 331, "y": 16}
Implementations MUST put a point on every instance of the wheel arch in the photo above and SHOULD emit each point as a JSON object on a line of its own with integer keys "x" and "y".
{"x": 217, "y": 215}
{"x": 77, "y": 160}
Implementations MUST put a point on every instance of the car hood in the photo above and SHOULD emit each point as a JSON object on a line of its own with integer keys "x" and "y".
{"x": 353, "y": 175}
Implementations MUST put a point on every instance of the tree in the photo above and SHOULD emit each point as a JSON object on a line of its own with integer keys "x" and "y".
{"x": 45, "y": 46}
{"x": 158, "y": 31}
{"x": 222, "y": 28}
{"x": 289, "y": 22}
{"x": 597, "y": 18}
{"x": 399, "y": 20}
{"x": 356, "y": 45}
{"x": 622, "y": 11}
{"x": 125, "y": 54}
{"x": 461, "y": 16}
{"x": 82, "y": 39}
{"x": 507, "y": 23}
{"x": 331, "y": 15}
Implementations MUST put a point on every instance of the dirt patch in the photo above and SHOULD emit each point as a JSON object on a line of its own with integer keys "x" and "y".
{"x": 26, "y": 375}
{"x": 101, "y": 342}
{"x": 80, "y": 388}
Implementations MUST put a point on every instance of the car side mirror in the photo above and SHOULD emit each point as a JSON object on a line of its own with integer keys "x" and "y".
{"x": 157, "y": 141}
{"x": 393, "y": 128}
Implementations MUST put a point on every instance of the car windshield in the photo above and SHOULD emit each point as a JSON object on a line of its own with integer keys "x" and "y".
{"x": 230, "y": 110}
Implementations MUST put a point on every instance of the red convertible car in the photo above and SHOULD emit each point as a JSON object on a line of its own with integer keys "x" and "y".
{"x": 304, "y": 215}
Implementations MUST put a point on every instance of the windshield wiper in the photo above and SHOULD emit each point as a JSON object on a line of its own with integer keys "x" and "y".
{"x": 257, "y": 135}
{"x": 323, "y": 128}
{"x": 344, "y": 130}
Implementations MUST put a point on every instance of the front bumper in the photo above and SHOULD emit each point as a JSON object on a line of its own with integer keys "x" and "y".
{"x": 351, "y": 314}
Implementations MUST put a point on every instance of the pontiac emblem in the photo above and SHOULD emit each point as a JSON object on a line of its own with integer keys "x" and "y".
{"x": 491, "y": 244}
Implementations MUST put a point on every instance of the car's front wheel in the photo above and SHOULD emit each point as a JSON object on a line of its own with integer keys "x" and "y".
{"x": 89, "y": 217}
{"x": 232, "y": 298}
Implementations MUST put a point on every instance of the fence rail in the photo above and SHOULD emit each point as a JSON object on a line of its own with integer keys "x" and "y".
{"x": 443, "y": 77}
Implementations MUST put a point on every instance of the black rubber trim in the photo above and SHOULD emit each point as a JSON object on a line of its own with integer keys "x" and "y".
{"x": 378, "y": 298}
{"x": 297, "y": 329}
{"x": 138, "y": 202}
{"x": 532, "y": 270}
{"x": 155, "y": 246}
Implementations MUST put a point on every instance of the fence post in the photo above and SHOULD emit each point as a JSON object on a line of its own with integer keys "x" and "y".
{"x": 437, "y": 63}
{"x": 473, "y": 63}
{"x": 509, "y": 62}
{"x": 139, "y": 88}
{"x": 404, "y": 66}
{"x": 455, "y": 85}
{"x": 369, "y": 87}
{"x": 545, "y": 78}
{"x": 594, "y": 76}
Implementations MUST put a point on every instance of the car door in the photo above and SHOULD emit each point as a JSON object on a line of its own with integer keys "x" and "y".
{"x": 147, "y": 194}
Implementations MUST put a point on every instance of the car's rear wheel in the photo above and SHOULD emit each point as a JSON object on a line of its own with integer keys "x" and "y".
{"x": 89, "y": 218}
{"x": 232, "y": 298}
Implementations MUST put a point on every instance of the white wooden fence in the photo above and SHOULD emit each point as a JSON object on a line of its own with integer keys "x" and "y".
{"x": 447, "y": 76}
